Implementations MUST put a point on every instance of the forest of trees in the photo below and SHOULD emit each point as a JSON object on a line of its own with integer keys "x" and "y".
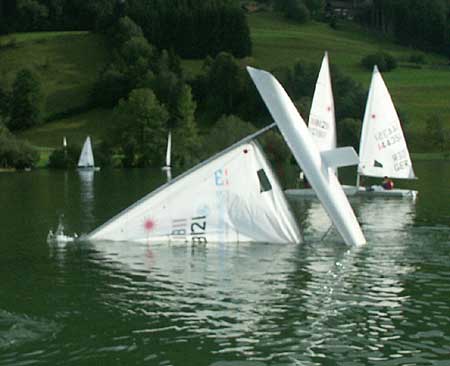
{"x": 193, "y": 28}
{"x": 416, "y": 23}
{"x": 423, "y": 24}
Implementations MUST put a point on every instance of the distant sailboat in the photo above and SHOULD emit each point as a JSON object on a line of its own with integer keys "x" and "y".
{"x": 168, "y": 167}
{"x": 230, "y": 198}
{"x": 383, "y": 150}
{"x": 86, "y": 160}
{"x": 321, "y": 122}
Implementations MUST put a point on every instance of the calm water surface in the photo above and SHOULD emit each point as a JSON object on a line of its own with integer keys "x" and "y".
{"x": 317, "y": 303}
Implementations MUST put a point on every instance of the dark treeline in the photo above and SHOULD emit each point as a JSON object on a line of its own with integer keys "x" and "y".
{"x": 193, "y": 28}
{"x": 416, "y": 23}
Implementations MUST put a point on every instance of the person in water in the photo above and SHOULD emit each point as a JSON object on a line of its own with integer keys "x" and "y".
{"x": 387, "y": 183}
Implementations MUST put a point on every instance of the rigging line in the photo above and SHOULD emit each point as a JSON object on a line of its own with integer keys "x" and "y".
{"x": 326, "y": 233}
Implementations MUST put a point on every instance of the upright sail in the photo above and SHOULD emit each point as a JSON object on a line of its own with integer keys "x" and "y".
{"x": 232, "y": 197}
{"x": 86, "y": 159}
{"x": 169, "y": 150}
{"x": 383, "y": 150}
{"x": 321, "y": 123}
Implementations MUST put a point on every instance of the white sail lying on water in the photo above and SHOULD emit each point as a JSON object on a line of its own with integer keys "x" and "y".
{"x": 383, "y": 150}
{"x": 232, "y": 197}
{"x": 86, "y": 159}
{"x": 321, "y": 123}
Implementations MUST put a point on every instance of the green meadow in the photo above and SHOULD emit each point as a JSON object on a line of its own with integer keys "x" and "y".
{"x": 419, "y": 92}
{"x": 67, "y": 64}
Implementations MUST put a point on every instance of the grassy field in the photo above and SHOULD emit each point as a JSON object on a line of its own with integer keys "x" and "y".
{"x": 418, "y": 92}
{"x": 50, "y": 135}
{"x": 65, "y": 62}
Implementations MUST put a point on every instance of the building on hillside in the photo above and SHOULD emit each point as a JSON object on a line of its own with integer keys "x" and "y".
{"x": 345, "y": 9}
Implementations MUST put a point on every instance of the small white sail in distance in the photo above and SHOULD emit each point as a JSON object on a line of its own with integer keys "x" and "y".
{"x": 232, "y": 197}
{"x": 316, "y": 165}
{"x": 321, "y": 123}
{"x": 168, "y": 168}
{"x": 169, "y": 150}
{"x": 86, "y": 159}
{"x": 383, "y": 150}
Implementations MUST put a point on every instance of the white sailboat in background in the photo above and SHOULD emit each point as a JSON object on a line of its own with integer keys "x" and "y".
{"x": 383, "y": 151}
{"x": 168, "y": 167}
{"x": 230, "y": 198}
{"x": 321, "y": 122}
{"x": 86, "y": 160}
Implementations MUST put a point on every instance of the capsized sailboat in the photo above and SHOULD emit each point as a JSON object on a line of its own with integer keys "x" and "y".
{"x": 383, "y": 151}
{"x": 317, "y": 165}
{"x": 230, "y": 198}
{"x": 168, "y": 167}
{"x": 86, "y": 160}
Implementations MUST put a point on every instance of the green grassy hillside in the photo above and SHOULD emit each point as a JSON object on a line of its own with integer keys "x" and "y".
{"x": 65, "y": 62}
{"x": 418, "y": 92}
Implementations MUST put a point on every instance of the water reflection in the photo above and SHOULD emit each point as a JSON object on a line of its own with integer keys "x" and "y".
{"x": 221, "y": 292}
{"x": 87, "y": 198}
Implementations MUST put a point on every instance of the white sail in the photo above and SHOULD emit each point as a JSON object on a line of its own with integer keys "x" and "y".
{"x": 86, "y": 157}
{"x": 169, "y": 150}
{"x": 321, "y": 123}
{"x": 232, "y": 197}
{"x": 317, "y": 166}
{"x": 383, "y": 150}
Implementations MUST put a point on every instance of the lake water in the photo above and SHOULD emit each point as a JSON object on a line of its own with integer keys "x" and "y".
{"x": 316, "y": 303}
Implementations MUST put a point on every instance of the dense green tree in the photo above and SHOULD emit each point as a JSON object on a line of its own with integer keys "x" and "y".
{"x": 65, "y": 157}
{"x": 15, "y": 153}
{"x": 349, "y": 132}
{"x": 297, "y": 10}
{"x": 224, "y": 86}
{"x": 187, "y": 148}
{"x": 124, "y": 30}
{"x": 25, "y": 104}
{"x": 4, "y": 100}
{"x": 385, "y": 61}
{"x": 141, "y": 128}
{"x": 226, "y": 131}
{"x": 32, "y": 14}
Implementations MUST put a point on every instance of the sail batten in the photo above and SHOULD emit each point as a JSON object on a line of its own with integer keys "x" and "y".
{"x": 383, "y": 150}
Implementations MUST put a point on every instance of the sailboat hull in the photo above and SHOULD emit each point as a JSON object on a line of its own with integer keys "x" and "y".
{"x": 89, "y": 168}
{"x": 372, "y": 191}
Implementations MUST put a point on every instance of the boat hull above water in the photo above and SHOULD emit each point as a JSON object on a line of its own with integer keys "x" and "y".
{"x": 372, "y": 191}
